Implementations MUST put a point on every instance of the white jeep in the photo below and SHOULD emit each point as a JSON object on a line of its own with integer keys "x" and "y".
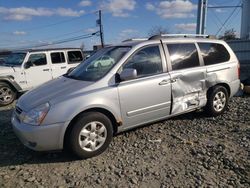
{"x": 24, "y": 70}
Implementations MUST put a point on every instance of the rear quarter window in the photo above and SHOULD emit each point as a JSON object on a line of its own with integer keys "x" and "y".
{"x": 75, "y": 57}
{"x": 213, "y": 53}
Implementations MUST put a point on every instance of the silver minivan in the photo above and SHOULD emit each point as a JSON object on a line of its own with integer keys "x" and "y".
{"x": 146, "y": 80}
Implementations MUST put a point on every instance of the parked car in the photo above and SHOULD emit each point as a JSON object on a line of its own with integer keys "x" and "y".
{"x": 150, "y": 80}
{"x": 104, "y": 61}
{"x": 24, "y": 70}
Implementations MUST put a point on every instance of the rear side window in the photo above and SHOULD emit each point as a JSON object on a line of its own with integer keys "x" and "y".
{"x": 57, "y": 57}
{"x": 75, "y": 56}
{"x": 183, "y": 55}
{"x": 213, "y": 53}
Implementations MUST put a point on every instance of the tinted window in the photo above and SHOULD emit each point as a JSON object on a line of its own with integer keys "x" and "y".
{"x": 183, "y": 56}
{"x": 37, "y": 59}
{"x": 146, "y": 61}
{"x": 57, "y": 57}
{"x": 75, "y": 56}
{"x": 213, "y": 53}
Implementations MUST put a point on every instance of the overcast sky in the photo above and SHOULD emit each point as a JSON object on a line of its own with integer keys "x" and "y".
{"x": 26, "y": 23}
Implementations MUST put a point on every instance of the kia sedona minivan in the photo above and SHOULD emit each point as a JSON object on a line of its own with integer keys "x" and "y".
{"x": 146, "y": 80}
{"x": 24, "y": 70}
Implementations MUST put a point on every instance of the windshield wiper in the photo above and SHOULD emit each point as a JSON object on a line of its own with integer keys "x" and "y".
{"x": 68, "y": 76}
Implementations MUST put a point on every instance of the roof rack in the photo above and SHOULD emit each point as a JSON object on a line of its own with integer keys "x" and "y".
{"x": 135, "y": 39}
{"x": 179, "y": 35}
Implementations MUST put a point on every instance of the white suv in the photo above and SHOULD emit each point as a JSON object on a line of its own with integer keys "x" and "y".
{"x": 24, "y": 70}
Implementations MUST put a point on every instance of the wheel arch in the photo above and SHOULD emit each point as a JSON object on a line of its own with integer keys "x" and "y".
{"x": 110, "y": 115}
{"x": 10, "y": 81}
{"x": 225, "y": 85}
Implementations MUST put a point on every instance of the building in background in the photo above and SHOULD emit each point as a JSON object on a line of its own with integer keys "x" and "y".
{"x": 242, "y": 47}
{"x": 242, "y": 50}
{"x": 245, "y": 20}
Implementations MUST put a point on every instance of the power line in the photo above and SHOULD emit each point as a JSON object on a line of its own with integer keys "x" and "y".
{"x": 56, "y": 23}
{"x": 217, "y": 18}
{"x": 229, "y": 6}
{"x": 215, "y": 21}
{"x": 44, "y": 39}
{"x": 66, "y": 40}
{"x": 225, "y": 2}
{"x": 59, "y": 41}
{"x": 227, "y": 19}
{"x": 65, "y": 34}
{"x": 232, "y": 19}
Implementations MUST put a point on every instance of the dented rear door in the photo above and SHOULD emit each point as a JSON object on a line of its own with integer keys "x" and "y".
{"x": 188, "y": 77}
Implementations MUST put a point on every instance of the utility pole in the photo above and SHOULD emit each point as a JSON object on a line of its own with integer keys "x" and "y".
{"x": 201, "y": 17}
{"x": 99, "y": 22}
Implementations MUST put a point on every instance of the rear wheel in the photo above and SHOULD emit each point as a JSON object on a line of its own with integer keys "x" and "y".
{"x": 217, "y": 101}
{"x": 91, "y": 135}
{"x": 7, "y": 94}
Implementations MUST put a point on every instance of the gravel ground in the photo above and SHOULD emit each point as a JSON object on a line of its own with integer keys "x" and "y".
{"x": 191, "y": 150}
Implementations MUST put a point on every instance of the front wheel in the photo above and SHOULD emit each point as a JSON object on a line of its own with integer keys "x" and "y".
{"x": 91, "y": 135}
{"x": 217, "y": 101}
{"x": 7, "y": 94}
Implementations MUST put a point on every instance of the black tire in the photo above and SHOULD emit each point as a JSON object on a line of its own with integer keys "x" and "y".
{"x": 7, "y": 94}
{"x": 82, "y": 124}
{"x": 213, "y": 109}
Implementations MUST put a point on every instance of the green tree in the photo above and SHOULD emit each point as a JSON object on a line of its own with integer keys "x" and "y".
{"x": 229, "y": 35}
{"x": 157, "y": 30}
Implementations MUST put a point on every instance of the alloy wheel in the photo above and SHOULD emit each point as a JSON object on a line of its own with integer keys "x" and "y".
{"x": 92, "y": 136}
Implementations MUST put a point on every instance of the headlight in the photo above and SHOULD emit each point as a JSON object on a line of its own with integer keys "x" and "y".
{"x": 36, "y": 115}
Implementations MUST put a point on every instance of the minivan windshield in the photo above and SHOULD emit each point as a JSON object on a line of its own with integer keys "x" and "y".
{"x": 99, "y": 64}
{"x": 14, "y": 59}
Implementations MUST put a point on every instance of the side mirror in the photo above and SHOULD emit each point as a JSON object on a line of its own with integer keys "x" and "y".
{"x": 27, "y": 65}
{"x": 128, "y": 74}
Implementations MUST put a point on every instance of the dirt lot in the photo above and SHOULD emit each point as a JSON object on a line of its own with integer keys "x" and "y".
{"x": 191, "y": 150}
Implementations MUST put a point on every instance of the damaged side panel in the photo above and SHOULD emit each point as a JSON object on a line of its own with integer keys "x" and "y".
{"x": 188, "y": 90}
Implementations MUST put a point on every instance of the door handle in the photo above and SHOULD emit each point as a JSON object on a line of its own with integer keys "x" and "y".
{"x": 45, "y": 69}
{"x": 173, "y": 80}
{"x": 164, "y": 82}
{"x": 63, "y": 67}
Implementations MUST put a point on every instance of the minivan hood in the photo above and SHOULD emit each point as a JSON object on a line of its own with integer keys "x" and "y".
{"x": 6, "y": 70}
{"x": 51, "y": 91}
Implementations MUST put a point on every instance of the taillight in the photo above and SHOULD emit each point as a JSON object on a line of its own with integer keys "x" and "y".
{"x": 239, "y": 70}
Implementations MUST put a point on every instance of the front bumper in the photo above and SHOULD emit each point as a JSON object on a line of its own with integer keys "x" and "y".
{"x": 40, "y": 138}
